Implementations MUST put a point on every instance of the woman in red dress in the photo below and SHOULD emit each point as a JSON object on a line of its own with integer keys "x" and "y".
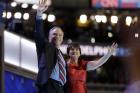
{"x": 77, "y": 69}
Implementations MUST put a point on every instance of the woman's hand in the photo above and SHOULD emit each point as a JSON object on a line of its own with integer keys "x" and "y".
{"x": 113, "y": 48}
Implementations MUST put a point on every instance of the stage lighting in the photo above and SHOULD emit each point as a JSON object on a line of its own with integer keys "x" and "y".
{"x": 13, "y": 4}
{"x": 92, "y": 40}
{"x": 34, "y": 6}
{"x": 128, "y": 20}
{"x": 44, "y": 16}
{"x": 26, "y": 16}
{"x": 4, "y": 14}
{"x": 104, "y": 18}
{"x": 136, "y": 35}
{"x": 98, "y": 19}
{"x": 51, "y": 18}
{"x": 114, "y": 19}
{"x": 17, "y": 15}
{"x": 24, "y": 5}
{"x": 7, "y": 15}
{"x": 110, "y": 35}
{"x": 83, "y": 18}
{"x": 92, "y": 17}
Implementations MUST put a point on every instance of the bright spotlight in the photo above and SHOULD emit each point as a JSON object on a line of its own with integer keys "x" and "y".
{"x": 98, "y": 18}
{"x": 4, "y": 14}
{"x": 110, "y": 34}
{"x": 104, "y": 18}
{"x": 135, "y": 19}
{"x": 26, "y": 16}
{"x": 13, "y": 4}
{"x": 136, "y": 35}
{"x": 83, "y": 18}
{"x": 51, "y": 18}
{"x": 92, "y": 17}
{"x": 9, "y": 15}
{"x": 128, "y": 20}
{"x": 24, "y": 5}
{"x": 34, "y": 6}
{"x": 92, "y": 40}
{"x": 17, "y": 15}
{"x": 44, "y": 16}
{"x": 69, "y": 41}
{"x": 114, "y": 19}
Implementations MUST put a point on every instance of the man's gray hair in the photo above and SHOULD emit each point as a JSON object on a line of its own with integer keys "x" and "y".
{"x": 55, "y": 27}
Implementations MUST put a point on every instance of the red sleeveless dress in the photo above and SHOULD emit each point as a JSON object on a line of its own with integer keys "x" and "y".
{"x": 77, "y": 77}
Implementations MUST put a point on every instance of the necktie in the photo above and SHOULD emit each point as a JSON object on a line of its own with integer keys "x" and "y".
{"x": 62, "y": 69}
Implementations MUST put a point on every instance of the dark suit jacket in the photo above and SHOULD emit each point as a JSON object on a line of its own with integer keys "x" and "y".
{"x": 50, "y": 54}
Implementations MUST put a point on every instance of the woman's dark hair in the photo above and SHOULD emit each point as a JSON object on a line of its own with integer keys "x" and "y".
{"x": 73, "y": 45}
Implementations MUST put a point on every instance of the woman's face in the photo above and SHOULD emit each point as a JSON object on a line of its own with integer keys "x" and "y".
{"x": 74, "y": 53}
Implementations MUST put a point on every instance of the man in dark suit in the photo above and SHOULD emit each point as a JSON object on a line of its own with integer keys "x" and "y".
{"x": 52, "y": 67}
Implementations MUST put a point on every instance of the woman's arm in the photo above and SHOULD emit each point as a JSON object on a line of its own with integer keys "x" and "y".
{"x": 92, "y": 65}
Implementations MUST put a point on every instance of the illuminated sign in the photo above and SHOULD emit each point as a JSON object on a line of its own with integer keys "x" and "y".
{"x": 31, "y": 1}
{"x": 105, "y": 3}
{"x": 27, "y": 1}
{"x": 115, "y": 3}
{"x": 130, "y": 3}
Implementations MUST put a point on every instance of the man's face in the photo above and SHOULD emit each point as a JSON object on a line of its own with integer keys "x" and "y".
{"x": 56, "y": 36}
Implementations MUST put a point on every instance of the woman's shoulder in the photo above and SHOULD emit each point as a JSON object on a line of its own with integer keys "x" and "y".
{"x": 82, "y": 61}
